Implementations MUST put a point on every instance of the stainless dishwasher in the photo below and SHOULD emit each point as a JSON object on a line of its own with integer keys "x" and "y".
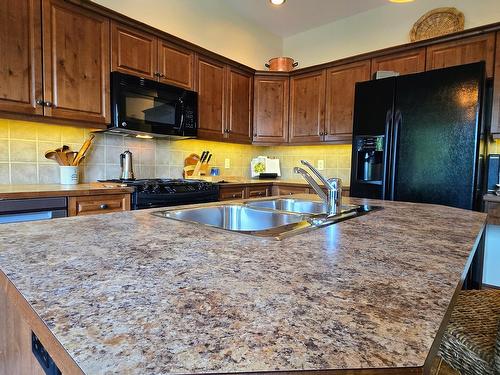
{"x": 33, "y": 209}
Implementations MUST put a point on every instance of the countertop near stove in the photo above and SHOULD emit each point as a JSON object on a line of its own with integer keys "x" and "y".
{"x": 133, "y": 293}
{"x": 38, "y": 191}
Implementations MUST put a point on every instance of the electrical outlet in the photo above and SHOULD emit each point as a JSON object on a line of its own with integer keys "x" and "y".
{"x": 227, "y": 163}
{"x": 321, "y": 165}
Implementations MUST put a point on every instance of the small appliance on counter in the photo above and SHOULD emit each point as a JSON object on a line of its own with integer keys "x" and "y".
{"x": 265, "y": 167}
{"x": 126, "y": 165}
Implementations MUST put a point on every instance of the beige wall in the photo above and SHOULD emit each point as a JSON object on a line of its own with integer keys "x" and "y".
{"x": 378, "y": 28}
{"x": 207, "y": 23}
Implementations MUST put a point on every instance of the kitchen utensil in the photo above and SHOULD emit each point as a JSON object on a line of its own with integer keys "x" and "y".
{"x": 70, "y": 155}
{"x": 61, "y": 151}
{"x": 281, "y": 64}
{"x": 196, "y": 171}
{"x": 126, "y": 165}
{"x": 53, "y": 155}
{"x": 83, "y": 150}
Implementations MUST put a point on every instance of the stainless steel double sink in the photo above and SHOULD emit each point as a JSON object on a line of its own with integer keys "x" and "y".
{"x": 273, "y": 218}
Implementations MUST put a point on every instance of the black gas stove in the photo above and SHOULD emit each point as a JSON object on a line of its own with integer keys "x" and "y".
{"x": 159, "y": 192}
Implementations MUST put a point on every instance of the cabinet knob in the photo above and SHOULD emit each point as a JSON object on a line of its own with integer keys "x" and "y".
{"x": 255, "y": 134}
{"x": 49, "y": 104}
{"x": 325, "y": 133}
{"x": 40, "y": 102}
{"x": 103, "y": 206}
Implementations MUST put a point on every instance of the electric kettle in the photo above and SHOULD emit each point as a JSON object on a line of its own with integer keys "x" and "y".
{"x": 126, "y": 165}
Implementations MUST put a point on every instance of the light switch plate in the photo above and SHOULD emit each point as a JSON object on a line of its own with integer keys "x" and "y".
{"x": 227, "y": 163}
{"x": 321, "y": 165}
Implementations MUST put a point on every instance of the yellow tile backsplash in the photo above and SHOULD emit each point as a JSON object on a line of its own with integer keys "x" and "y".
{"x": 23, "y": 145}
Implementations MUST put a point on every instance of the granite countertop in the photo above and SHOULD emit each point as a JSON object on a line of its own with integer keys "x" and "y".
{"x": 134, "y": 293}
{"x": 57, "y": 190}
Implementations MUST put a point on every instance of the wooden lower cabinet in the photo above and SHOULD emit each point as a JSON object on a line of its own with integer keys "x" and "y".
{"x": 231, "y": 192}
{"x": 98, "y": 204}
{"x": 15, "y": 343}
{"x": 258, "y": 191}
{"x": 290, "y": 190}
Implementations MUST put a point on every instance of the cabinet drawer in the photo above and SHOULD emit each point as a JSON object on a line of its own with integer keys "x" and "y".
{"x": 290, "y": 190}
{"x": 98, "y": 204}
{"x": 493, "y": 210}
{"x": 231, "y": 193}
{"x": 258, "y": 191}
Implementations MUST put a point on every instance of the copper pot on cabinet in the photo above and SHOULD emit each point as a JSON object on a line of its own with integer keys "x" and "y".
{"x": 281, "y": 64}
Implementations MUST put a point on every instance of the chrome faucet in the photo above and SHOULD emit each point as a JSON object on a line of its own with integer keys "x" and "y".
{"x": 333, "y": 196}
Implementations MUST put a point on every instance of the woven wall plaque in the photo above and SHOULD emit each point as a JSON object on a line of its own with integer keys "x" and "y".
{"x": 437, "y": 22}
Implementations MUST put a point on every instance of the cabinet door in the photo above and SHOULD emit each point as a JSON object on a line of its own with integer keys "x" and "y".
{"x": 211, "y": 98}
{"x": 20, "y": 57}
{"x": 270, "y": 118}
{"x": 340, "y": 84}
{"x": 307, "y": 107}
{"x": 133, "y": 51}
{"x": 408, "y": 62}
{"x": 175, "y": 65}
{"x": 76, "y": 62}
{"x": 495, "y": 111}
{"x": 464, "y": 51}
{"x": 239, "y": 111}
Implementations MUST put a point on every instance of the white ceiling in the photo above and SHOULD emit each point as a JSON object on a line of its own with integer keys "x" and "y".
{"x": 296, "y": 16}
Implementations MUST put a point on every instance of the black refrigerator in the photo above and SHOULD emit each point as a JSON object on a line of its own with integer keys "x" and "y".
{"x": 418, "y": 138}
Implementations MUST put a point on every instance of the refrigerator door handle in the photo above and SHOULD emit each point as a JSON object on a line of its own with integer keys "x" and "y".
{"x": 387, "y": 156}
{"x": 398, "y": 118}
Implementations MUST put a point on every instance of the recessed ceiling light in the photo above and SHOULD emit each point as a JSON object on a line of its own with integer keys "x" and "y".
{"x": 401, "y": 1}
{"x": 277, "y": 2}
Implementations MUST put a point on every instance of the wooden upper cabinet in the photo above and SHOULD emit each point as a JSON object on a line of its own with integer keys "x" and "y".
{"x": 133, "y": 51}
{"x": 463, "y": 51}
{"x": 270, "y": 119}
{"x": 239, "y": 112}
{"x": 20, "y": 57}
{"x": 340, "y": 85}
{"x": 495, "y": 110}
{"x": 211, "y": 98}
{"x": 307, "y": 107}
{"x": 175, "y": 65}
{"x": 76, "y": 62}
{"x": 408, "y": 62}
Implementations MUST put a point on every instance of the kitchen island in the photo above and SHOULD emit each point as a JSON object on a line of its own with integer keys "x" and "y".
{"x": 133, "y": 293}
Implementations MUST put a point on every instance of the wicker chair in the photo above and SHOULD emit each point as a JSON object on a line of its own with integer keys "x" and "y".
{"x": 471, "y": 343}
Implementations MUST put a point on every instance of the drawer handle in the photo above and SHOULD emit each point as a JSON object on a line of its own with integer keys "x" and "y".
{"x": 103, "y": 206}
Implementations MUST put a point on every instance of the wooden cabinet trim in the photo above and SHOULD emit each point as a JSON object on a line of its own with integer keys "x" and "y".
{"x": 258, "y": 191}
{"x": 21, "y": 81}
{"x": 441, "y": 48}
{"x": 55, "y": 68}
{"x": 309, "y": 106}
{"x": 117, "y": 58}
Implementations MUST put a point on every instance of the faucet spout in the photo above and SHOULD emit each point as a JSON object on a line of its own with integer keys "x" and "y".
{"x": 333, "y": 196}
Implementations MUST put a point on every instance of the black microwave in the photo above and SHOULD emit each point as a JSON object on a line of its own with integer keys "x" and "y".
{"x": 145, "y": 107}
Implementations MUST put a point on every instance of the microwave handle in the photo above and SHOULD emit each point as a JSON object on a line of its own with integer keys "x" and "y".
{"x": 181, "y": 124}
